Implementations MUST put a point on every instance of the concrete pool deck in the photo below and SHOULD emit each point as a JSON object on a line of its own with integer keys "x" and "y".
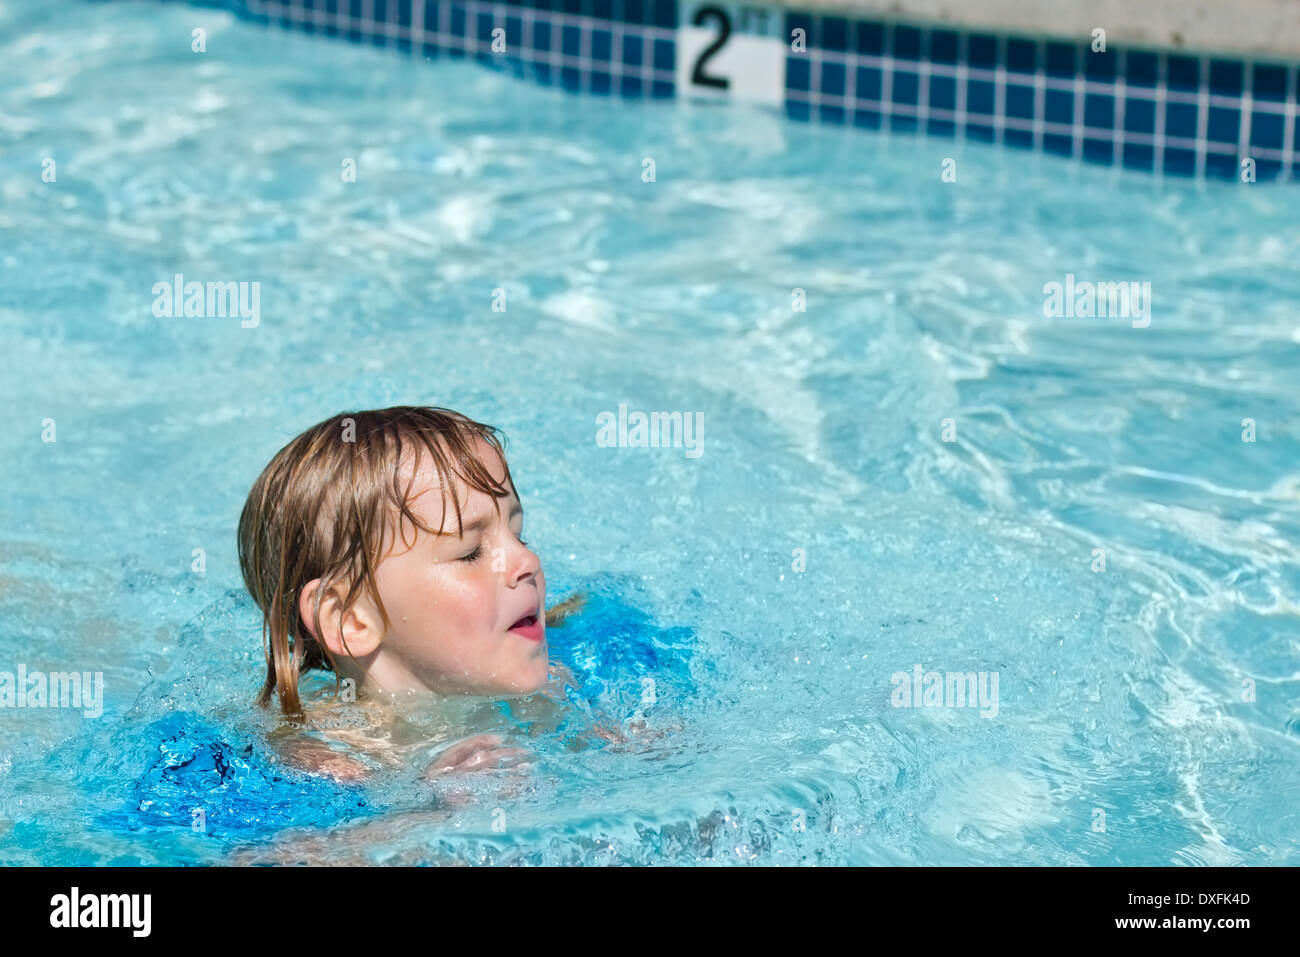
{"x": 1257, "y": 27}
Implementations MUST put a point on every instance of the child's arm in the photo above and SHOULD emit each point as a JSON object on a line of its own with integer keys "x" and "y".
{"x": 476, "y": 753}
{"x": 316, "y": 757}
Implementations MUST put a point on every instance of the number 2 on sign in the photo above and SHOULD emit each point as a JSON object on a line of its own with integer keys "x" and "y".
{"x": 698, "y": 76}
{"x": 729, "y": 51}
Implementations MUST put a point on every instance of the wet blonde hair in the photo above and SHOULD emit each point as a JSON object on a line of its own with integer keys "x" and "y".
{"x": 321, "y": 508}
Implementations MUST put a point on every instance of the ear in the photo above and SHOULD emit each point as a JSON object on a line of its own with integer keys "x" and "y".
{"x": 361, "y": 627}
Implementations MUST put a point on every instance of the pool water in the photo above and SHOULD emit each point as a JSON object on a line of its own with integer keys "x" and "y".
{"x": 915, "y": 470}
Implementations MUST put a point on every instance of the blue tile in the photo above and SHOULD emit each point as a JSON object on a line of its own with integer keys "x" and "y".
{"x": 1141, "y": 68}
{"x": 602, "y": 45}
{"x": 979, "y": 97}
{"x": 978, "y": 131}
{"x": 907, "y": 87}
{"x": 1223, "y": 125}
{"x": 1022, "y": 56}
{"x": 943, "y": 93}
{"x": 831, "y": 114}
{"x": 601, "y": 81}
{"x": 943, "y": 46}
{"x": 941, "y": 127}
{"x": 903, "y": 124}
{"x": 1266, "y": 130}
{"x": 1219, "y": 166}
{"x": 1225, "y": 77}
{"x": 514, "y": 34}
{"x": 1183, "y": 73}
{"x": 1180, "y": 120}
{"x": 1100, "y": 66}
{"x": 631, "y": 86}
{"x": 1179, "y": 161}
{"x": 541, "y": 36}
{"x": 1138, "y": 156}
{"x": 486, "y": 23}
{"x": 907, "y": 43}
{"x": 1099, "y": 151}
{"x": 870, "y": 83}
{"x": 798, "y": 73}
{"x": 1060, "y": 59}
{"x": 1099, "y": 111}
{"x": 542, "y": 71}
{"x": 867, "y": 119}
{"x": 602, "y": 9}
{"x": 1019, "y": 138}
{"x": 636, "y": 11}
{"x": 1266, "y": 170}
{"x": 1060, "y": 145}
{"x": 457, "y": 27}
{"x": 665, "y": 14}
{"x": 661, "y": 89}
{"x": 870, "y": 39}
{"x": 1058, "y": 107}
{"x": 570, "y": 78}
{"x": 796, "y": 110}
{"x": 1269, "y": 82}
{"x": 631, "y": 50}
{"x": 833, "y": 79}
{"x": 570, "y": 41}
{"x": 834, "y": 34}
{"x": 1020, "y": 101}
{"x": 663, "y": 55}
{"x": 982, "y": 51}
{"x": 571, "y": 8}
{"x": 1139, "y": 115}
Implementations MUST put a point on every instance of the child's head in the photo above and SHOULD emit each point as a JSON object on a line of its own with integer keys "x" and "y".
{"x": 385, "y": 546}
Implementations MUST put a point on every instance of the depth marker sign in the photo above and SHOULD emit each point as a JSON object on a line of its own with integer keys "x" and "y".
{"x": 731, "y": 51}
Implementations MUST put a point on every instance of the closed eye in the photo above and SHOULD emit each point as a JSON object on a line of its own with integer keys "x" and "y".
{"x": 474, "y": 555}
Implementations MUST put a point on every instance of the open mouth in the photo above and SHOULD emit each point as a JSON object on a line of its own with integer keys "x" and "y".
{"x": 530, "y": 627}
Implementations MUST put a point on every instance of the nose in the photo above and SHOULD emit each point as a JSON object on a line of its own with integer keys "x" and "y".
{"x": 525, "y": 565}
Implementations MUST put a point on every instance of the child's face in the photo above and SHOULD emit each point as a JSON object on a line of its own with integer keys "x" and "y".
{"x": 451, "y": 601}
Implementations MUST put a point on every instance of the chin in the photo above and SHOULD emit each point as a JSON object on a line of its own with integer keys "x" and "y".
{"x": 530, "y": 680}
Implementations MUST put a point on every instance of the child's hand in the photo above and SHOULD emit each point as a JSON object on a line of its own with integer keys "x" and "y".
{"x": 476, "y": 753}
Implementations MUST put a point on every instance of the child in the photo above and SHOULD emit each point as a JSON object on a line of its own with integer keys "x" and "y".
{"x": 348, "y": 544}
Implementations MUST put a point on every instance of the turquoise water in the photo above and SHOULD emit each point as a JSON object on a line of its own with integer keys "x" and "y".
{"x": 1162, "y": 692}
